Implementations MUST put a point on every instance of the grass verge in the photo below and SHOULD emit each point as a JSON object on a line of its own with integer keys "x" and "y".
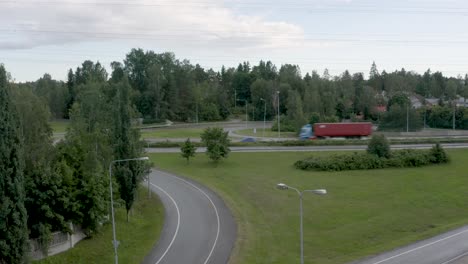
{"x": 268, "y": 133}
{"x": 365, "y": 212}
{"x": 172, "y": 133}
{"x": 136, "y": 237}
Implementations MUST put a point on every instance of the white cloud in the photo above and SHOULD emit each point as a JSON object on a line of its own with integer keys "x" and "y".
{"x": 29, "y": 24}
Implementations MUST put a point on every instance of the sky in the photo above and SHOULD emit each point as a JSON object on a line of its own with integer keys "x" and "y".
{"x": 52, "y": 36}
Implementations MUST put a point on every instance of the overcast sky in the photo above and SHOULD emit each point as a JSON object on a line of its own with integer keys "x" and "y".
{"x": 51, "y": 36}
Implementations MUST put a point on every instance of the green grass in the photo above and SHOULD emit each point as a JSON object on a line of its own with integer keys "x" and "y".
{"x": 59, "y": 126}
{"x": 136, "y": 237}
{"x": 365, "y": 212}
{"x": 268, "y": 133}
{"x": 172, "y": 133}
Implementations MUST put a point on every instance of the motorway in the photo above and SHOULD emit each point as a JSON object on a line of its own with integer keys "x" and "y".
{"x": 311, "y": 148}
{"x": 198, "y": 227}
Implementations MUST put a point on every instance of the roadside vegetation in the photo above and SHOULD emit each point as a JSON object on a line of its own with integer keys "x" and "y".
{"x": 364, "y": 212}
{"x": 136, "y": 237}
{"x": 172, "y": 133}
{"x": 44, "y": 186}
{"x": 378, "y": 156}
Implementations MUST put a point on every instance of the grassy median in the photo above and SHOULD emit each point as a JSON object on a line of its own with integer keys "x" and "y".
{"x": 365, "y": 212}
{"x": 172, "y": 133}
{"x": 136, "y": 237}
{"x": 268, "y": 133}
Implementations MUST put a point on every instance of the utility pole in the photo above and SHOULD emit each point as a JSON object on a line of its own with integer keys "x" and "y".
{"x": 264, "y": 116}
{"x": 279, "y": 128}
{"x": 235, "y": 99}
{"x": 453, "y": 118}
{"x": 197, "y": 112}
{"x": 407, "y": 118}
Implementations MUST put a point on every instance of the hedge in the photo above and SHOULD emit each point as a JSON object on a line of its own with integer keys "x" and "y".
{"x": 366, "y": 161}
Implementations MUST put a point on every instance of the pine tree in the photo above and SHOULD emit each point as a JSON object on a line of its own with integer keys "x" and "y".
{"x": 13, "y": 216}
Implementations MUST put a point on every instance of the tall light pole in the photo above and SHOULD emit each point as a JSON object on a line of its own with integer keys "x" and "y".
{"x": 283, "y": 186}
{"x": 114, "y": 238}
{"x": 264, "y": 116}
{"x": 197, "y": 111}
{"x": 246, "y": 113}
{"x": 407, "y": 118}
{"x": 279, "y": 127}
{"x": 235, "y": 99}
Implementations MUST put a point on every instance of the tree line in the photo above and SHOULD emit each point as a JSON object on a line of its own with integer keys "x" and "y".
{"x": 164, "y": 87}
{"x": 46, "y": 186}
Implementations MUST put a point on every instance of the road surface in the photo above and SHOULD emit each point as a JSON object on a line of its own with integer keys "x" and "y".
{"x": 312, "y": 148}
{"x": 448, "y": 248}
{"x": 198, "y": 227}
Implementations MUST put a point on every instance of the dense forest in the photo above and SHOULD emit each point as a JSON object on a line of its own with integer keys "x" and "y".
{"x": 44, "y": 186}
{"x": 164, "y": 87}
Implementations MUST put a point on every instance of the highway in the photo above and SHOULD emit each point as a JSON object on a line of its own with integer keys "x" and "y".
{"x": 198, "y": 227}
{"x": 447, "y": 248}
{"x": 311, "y": 148}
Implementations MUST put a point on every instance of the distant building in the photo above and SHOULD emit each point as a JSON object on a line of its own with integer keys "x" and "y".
{"x": 416, "y": 102}
{"x": 432, "y": 101}
{"x": 462, "y": 102}
{"x": 381, "y": 109}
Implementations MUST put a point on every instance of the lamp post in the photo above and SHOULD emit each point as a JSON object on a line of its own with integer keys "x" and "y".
{"x": 264, "y": 116}
{"x": 283, "y": 186}
{"x": 246, "y": 113}
{"x": 114, "y": 238}
{"x": 279, "y": 128}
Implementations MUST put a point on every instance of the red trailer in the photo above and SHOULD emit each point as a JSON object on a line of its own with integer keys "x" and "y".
{"x": 361, "y": 129}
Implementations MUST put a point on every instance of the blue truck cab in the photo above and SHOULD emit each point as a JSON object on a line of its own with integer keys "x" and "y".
{"x": 306, "y": 132}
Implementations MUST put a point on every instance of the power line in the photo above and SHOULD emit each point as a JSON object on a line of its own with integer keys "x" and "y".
{"x": 147, "y": 36}
{"x": 303, "y": 7}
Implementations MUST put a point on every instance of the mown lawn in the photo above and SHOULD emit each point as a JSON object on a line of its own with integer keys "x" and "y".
{"x": 136, "y": 237}
{"x": 268, "y": 133}
{"x": 172, "y": 133}
{"x": 365, "y": 212}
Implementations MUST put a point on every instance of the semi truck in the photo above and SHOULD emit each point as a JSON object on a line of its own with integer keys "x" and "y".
{"x": 330, "y": 130}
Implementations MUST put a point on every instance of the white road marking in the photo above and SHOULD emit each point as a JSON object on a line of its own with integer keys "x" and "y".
{"x": 455, "y": 258}
{"x": 212, "y": 204}
{"x": 178, "y": 222}
{"x": 423, "y": 246}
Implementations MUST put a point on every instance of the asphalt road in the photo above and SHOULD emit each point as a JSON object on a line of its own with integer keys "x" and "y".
{"x": 198, "y": 227}
{"x": 448, "y": 248}
{"x": 311, "y": 148}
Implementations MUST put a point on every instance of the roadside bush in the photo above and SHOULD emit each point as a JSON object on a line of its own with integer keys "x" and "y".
{"x": 438, "y": 154}
{"x": 379, "y": 146}
{"x": 366, "y": 161}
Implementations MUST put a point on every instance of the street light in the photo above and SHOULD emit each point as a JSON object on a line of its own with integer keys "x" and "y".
{"x": 279, "y": 128}
{"x": 264, "y": 116}
{"x": 282, "y": 186}
{"x": 114, "y": 238}
{"x": 246, "y": 114}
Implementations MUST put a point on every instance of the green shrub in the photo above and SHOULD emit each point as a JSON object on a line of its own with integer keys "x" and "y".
{"x": 438, "y": 154}
{"x": 366, "y": 161}
{"x": 379, "y": 146}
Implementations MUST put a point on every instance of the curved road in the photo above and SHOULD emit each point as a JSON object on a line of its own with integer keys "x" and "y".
{"x": 198, "y": 227}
